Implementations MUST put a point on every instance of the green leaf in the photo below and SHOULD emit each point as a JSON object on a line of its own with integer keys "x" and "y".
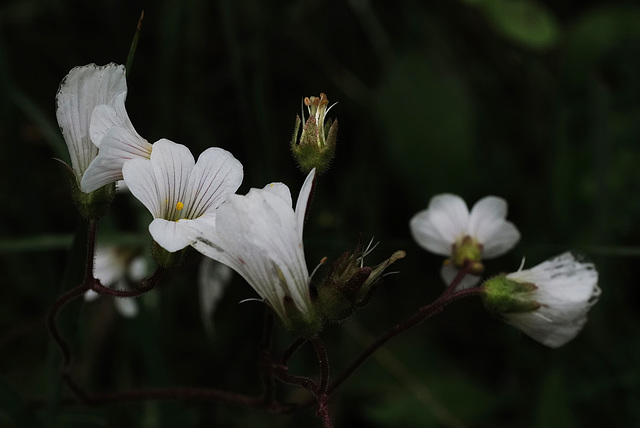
{"x": 524, "y": 22}
{"x": 595, "y": 35}
{"x": 426, "y": 117}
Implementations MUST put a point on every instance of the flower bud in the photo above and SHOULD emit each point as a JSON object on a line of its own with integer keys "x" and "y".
{"x": 350, "y": 284}
{"x": 317, "y": 143}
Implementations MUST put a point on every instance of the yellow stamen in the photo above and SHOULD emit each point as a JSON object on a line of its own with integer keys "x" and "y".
{"x": 179, "y": 206}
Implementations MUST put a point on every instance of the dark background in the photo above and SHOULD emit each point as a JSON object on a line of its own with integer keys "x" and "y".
{"x": 537, "y": 102}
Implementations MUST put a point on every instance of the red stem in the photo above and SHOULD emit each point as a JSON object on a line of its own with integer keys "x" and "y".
{"x": 423, "y": 314}
{"x": 322, "y": 395}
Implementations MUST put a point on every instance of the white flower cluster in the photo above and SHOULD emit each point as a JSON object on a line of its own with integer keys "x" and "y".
{"x": 259, "y": 235}
{"x": 548, "y": 302}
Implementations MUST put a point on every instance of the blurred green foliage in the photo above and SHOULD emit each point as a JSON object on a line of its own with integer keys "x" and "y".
{"x": 538, "y": 102}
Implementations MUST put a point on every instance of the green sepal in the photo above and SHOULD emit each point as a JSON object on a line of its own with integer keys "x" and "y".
{"x": 313, "y": 150}
{"x": 506, "y": 296}
{"x": 302, "y": 325}
{"x": 93, "y": 205}
{"x": 165, "y": 258}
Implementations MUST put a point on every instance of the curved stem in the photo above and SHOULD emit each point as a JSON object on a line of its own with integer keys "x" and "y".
{"x": 323, "y": 360}
{"x": 146, "y": 285}
{"x": 423, "y": 314}
{"x": 53, "y": 328}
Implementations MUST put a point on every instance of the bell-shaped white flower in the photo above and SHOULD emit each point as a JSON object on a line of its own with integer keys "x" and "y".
{"x": 80, "y": 92}
{"x": 113, "y": 133}
{"x": 115, "y": 267}
{"x": 548, "y": 302}
{"x": 447, "y": 228}
{"x": 178, "y": 191}
{"x": 260, "y": 236}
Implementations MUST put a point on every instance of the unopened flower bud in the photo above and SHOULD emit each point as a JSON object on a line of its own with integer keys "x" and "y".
{"x": 317, "y": 143}
{"x": 350, "y": 284}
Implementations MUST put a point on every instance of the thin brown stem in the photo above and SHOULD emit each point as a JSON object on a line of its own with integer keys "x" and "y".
{"x": 53, "y": 327}
{"x": 322, "y": 395}
{"x": 145, "y": 286}
{"x": 421, "y": 315}
{"x": 323, "y": 361}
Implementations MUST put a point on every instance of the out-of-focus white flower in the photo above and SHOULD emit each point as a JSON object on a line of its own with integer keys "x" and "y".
{"x": 260, "y": 237}
{"x": 447, "y": 228}
{"x": 548, "y": 302}
{"x": 115, "y": 267}
{"x": 83, "y": 89}
{"x": 213, "y": 278}
{"x": 112, "y": 132}
{"x": 178, "y": 191}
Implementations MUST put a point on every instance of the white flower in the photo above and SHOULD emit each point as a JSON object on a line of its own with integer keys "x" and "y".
{"x": 80, "y": 92}
{"x": 112, "y": 132}
{"x": 114, "y": 267}
{"x": 447, "y": 228}
{"x": 178, "y": 191}
{"x": 260, "y": 236}
{"x": 564, "y": 289}
{"x": 213, "y": 278}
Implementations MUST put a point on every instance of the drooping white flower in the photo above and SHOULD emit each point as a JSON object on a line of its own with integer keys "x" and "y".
{"x": 178, "y": 191}
{"x": 548, "y": 302}
{"x": 447, "y": 228}
{"x": 115, "y": 267}
{"x": 80, "y": 92}
{"x": 260, "y": 237}
{"x": 113, "y": 133}
{"x": 213, "y": 278}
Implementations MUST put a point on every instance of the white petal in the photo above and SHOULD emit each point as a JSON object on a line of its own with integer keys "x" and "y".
{"x": 138, "y": 268}
{"x": 170, "y": 235}
{"x": 90, "y": 296}
{"x": 127, "y": 307}
{"x": 567, "y": 288}
{"x": 104, "y": 117}
{"x": 118, "y": 146}
{"x": 172, "y": 165}
{"x": 80, "y": 92}
{"x": 257, "y": 236}
{"x": 109, "y": 266}
{"x": 303, "y": 201}
{"x": 216, "y": 175}
{"x": 439, "y": 226}
{"x": 488, "y": 226}
{"x": 141, "y": 180}
{"x": 448, "y": 272}
{"x": 503, "y": 238}
{"x": 280, "y": 189}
